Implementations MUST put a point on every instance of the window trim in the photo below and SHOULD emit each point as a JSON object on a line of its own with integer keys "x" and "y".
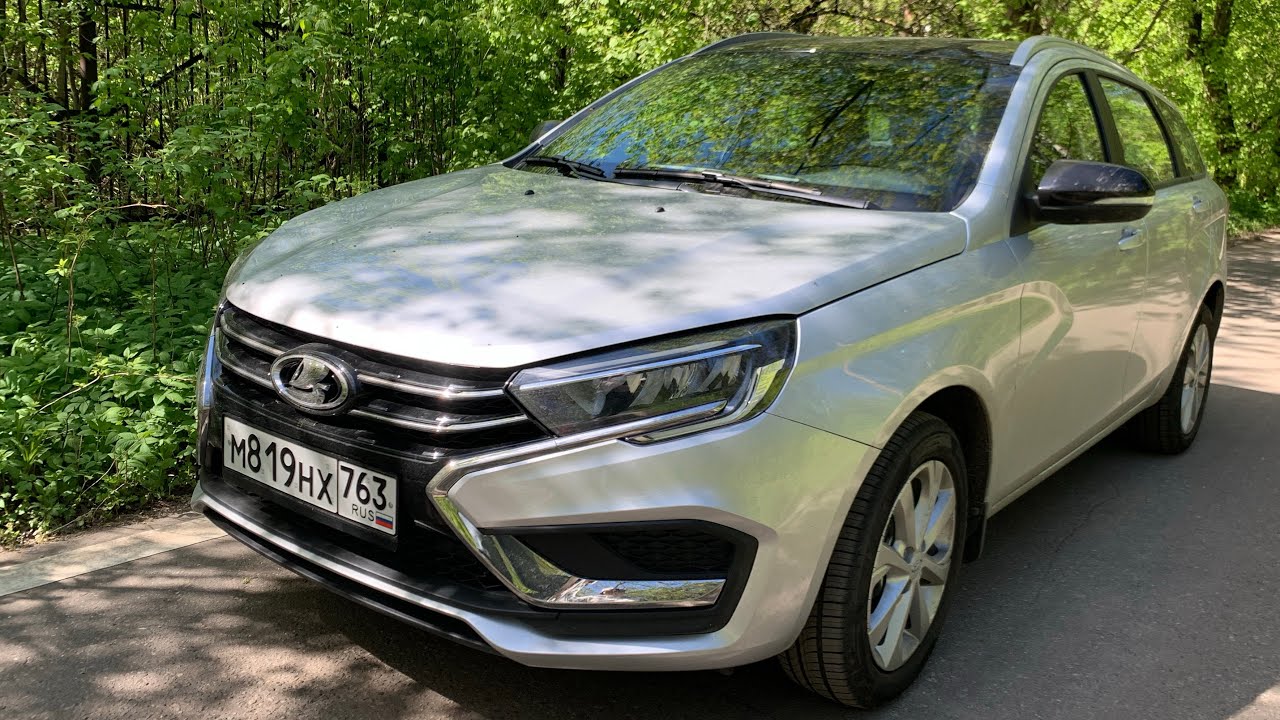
{"x": 1163, "y": 108}
{"x": 1021, "y": 221}
{"x": 1175, "y": 158}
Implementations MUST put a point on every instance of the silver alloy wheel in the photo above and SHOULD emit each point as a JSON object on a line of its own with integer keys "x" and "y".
{"x": 1195, "y": 377}
{"x": 912, "y": 563}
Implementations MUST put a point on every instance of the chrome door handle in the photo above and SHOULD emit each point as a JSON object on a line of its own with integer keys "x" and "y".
{"x": 1131, "y": 238}
{"x": 1197, "y": 205}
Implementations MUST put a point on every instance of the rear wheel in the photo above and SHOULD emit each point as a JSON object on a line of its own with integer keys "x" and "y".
{"x": 885, "y": 592}
{"x": 1171, "y": 425}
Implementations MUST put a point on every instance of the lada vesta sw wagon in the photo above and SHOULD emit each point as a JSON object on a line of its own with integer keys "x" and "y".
{"x": 734, "y": 363}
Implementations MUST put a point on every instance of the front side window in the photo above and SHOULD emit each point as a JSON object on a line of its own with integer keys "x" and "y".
{"x": 1141, "y": 137}
{"x": 900, "y": 131}
{"x": 1067, "y": 129}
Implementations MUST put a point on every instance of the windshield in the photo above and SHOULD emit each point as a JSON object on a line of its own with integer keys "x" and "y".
{"x": 904, "y": 131}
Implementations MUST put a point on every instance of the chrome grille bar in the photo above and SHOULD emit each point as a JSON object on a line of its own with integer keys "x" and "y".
{"x": 272, "y": 343}
{"x": 246, "y": 349}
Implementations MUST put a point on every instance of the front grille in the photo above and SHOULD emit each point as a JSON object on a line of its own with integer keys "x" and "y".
{"x": 671, "y": 551}
{"x": 445, "y": 407}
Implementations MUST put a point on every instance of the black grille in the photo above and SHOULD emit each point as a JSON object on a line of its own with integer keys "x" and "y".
{"x": 671, "y": 551}
{"x": 458, "y": 408}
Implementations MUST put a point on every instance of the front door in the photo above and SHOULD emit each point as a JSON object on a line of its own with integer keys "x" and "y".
{"x": 1080, "y": 305}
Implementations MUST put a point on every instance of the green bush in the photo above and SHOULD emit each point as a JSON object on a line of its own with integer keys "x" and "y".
{"x": 97, "y": 362}
{"x": 1251, "y": 214}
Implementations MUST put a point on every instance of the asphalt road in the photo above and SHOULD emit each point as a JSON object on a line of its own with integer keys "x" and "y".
{"x": 1126, "y": 586}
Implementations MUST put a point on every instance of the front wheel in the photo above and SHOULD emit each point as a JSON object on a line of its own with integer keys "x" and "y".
{"x": 1170, "y": 426}
{"x": 885, "y": 592}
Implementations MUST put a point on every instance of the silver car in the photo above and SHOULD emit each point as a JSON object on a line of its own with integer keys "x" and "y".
{"x": 734, "y": 363}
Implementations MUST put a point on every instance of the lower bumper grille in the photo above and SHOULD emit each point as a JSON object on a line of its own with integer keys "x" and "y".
{"x": 672, "y": 551}
{"x": 406, "y": 612}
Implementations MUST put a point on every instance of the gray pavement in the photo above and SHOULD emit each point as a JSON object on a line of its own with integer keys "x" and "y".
{"x": 1125, "y": 586}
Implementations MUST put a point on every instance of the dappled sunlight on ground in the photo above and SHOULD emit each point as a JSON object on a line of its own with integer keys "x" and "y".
{"x": 1266, "y": 707}
{"x": 1248, "y": 349}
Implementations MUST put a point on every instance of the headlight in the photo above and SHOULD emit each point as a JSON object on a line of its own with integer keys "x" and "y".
{"x": 690, "y": 382}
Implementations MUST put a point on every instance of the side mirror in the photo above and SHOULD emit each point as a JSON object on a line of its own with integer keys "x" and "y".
{"x": 541, "y": 129}
{"x": 1074, "y": 192}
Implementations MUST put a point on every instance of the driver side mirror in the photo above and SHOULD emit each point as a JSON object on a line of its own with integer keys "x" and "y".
{"x": 542, "y": 128}
{"x": 1075, "y": 192}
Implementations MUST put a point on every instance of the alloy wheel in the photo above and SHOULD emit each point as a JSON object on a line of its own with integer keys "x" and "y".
{"x": 1195, "y": 377}
{"x": 912, "y": 564}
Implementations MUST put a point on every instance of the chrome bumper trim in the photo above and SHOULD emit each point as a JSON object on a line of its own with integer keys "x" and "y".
{"x": 534, "y": 579}
{"x": 538, "y": 582}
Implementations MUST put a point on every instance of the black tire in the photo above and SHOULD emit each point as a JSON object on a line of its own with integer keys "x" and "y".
{"x": 833, "y": 656}
{"x": 1159, "y": 428}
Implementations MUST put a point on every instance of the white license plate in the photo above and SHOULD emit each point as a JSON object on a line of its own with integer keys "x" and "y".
{"x": 358, "y": 494}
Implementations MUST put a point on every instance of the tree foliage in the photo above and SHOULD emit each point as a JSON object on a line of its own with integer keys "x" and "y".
{"x": 142, "y": 142}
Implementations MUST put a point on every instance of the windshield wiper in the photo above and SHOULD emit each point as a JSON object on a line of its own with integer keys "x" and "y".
{"x": 571, "y": 168}
{"x": 764, "y": 186}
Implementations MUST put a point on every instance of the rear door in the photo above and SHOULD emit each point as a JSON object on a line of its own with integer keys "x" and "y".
{"x": 1145, "y": 145}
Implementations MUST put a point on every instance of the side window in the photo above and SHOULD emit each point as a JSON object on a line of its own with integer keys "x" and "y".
{"x": 1192, "y": 161}
{"x": 1067, "y": 130}
{"x": 1143, "y": 141}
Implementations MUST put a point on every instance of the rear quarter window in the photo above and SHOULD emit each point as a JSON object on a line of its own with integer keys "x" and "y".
{"x": 1192, "y": 161}
{"x": 1141, "y": 137}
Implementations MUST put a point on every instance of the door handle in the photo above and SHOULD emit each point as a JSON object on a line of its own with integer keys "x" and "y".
{"x": 1197, "y": 205}
{"x": 1131, "y": 238}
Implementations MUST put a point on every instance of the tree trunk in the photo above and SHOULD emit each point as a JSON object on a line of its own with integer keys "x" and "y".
{"x": 88, "y": 58}
{"x": 1023, "y": 17}
{"x": 1209, "y": 49}
{"x": 22, "y": 41}
{"x": 64, "y": 51}
{"x": 88, "y": 76}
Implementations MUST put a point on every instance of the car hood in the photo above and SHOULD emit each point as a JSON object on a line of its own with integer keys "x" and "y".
{"x": 496, "y": 267}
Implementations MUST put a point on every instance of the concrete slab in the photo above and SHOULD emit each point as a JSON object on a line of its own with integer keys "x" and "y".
{"x": 29, "y": 568}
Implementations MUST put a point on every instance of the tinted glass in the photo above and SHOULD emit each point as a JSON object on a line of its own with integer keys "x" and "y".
{"x": 905, "y": 131}
{"x": 1144, "y": 145}
{"x": 1068, "y": 128}
{"x": 1182, "y": 137}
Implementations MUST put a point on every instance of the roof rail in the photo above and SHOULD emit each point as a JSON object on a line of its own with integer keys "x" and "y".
{"x": 1028, "y": 48}
{"x": 748, "y": 37}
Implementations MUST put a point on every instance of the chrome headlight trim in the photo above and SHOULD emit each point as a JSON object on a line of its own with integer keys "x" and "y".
{"x": 535, "y": 579}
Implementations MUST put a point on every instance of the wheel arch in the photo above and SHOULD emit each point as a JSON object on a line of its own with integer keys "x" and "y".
{"x": 1215, "y": 299}
{"x": 960, "y": 399}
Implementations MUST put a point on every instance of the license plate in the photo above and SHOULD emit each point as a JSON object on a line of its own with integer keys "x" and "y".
{"x": 361, "y": 495}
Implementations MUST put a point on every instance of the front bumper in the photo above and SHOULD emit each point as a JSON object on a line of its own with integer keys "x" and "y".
{"x": 784, "y": 485}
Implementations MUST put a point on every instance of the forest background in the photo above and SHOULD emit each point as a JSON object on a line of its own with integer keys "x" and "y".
{"x": 143, "y": 143}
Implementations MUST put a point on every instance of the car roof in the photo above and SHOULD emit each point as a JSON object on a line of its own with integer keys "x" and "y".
{"x": 1002, "y": 52}
{"x": 993, "y": 51}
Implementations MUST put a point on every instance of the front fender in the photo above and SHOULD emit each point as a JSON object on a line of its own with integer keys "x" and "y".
{"x": 869, "y": 360}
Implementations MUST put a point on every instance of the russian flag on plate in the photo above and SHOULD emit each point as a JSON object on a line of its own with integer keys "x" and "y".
{"x": 385, "y": 521}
